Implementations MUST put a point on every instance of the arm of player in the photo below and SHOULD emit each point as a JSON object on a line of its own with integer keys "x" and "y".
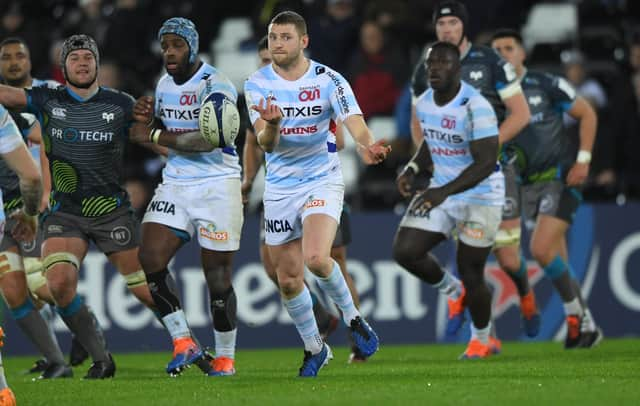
{"x": 191, "y": 141}
{"x": 484, "y": 152}
{"x": 339, "y": 136}
{"x": 582, "y": 111}
{"x": 416, "y": 131}
{"x": 13, "y": 97}
{"x": 517, "y": 119}
{"x": 252, "y": 157}
{"x": 420, "y": 162}
{"x": 267, "y": 127}
{"x": 46, "y": 179}
{"x": 371, "y": 152}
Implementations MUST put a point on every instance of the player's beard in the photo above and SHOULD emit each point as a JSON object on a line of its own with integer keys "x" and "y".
{"x": 286, "y": 61}
{"x": 82, "y": 85}
{"x": 17, "y": 82}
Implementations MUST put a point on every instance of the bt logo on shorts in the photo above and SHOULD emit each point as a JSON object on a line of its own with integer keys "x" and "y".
{"x": 277, "y": 226}
{"x": 161, "y": 206}
{"x": 211, "y": 233}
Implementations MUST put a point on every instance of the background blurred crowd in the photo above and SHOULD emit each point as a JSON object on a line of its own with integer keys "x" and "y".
{"x": 374, "y": 44}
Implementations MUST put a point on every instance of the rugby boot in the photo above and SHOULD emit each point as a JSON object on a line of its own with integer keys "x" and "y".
{"x": 39, "y": 366}
{"x": 456, "y": 317}
{"x": 222, "y": 366}
{"x": 364, "y": 338}
{"x": 102, "y": 369}
{"x": 77, "y": 354}
{"x": 313, "y": 363}
{"x": 475, "y": 350}
{"x": 530, "y": 314}
{"x": 185, "y": 353}
{"x": 7, "y": 398}
{"x": 54, "y": 371}
{"x": 495, "y": 345}
{"x": 574, "y": 335}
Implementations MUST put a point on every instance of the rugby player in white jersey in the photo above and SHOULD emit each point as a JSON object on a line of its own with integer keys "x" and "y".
{"x": 293, "y": 105}
{"x": 200, "y": 193}
{"x": 15, "y": 153}
{"x": 466, "y": 192}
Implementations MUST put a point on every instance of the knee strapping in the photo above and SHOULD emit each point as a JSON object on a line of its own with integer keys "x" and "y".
{"x": 60, "y": 258}
{"x": 35, "y": 274}
{"x": 136, "y": 279}
{"x": 507, "y": 238}
{"x": 10, "y": 262}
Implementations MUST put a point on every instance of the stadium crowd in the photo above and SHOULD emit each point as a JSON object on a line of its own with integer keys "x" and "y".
{"x": 374, "y": 44}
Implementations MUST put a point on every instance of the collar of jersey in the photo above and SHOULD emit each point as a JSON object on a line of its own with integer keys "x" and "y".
{"x": 466, "y": 51}
{"x": 456, "y": 97}
{"x": 311, "y": 64}
{"x": 77, "y": 97}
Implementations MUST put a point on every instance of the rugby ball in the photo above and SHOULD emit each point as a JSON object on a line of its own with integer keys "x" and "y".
{"x": 219, "y": 120}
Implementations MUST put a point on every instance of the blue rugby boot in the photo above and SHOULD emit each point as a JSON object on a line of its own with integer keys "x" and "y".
{"x": 313, "y": 363}
{"x": 364, "y": 338}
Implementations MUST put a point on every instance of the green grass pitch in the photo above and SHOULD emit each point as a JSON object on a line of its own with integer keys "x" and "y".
{"x": 525, "y": 373}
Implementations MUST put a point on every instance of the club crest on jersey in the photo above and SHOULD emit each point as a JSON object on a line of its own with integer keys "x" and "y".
{"x": 320, "y": 70}
{"x": 59, "y": 112}
{"x": 475, "y": 75}
{"x": 109, "y": 117}
{"x": 535, "y": 100}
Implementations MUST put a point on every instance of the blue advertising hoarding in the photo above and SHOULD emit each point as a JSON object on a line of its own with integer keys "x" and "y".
{"x": 604, "y": 246}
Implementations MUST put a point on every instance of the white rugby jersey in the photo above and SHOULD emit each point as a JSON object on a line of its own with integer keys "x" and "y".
{"x": 311, "y": 105}
{"x": 10, "y": 139}
{"x": 178, "y": 106}
{"x": 448, "y": 130}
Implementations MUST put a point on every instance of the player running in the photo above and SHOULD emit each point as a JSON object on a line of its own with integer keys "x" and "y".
{"x": 252, "y": 158}
{"x": 200, "y": 192}
{"x": 294, "y": 104}
{"x": 496, "y": 80}
{"x": 551, "y": 176}
{"x": 466, "y": 192}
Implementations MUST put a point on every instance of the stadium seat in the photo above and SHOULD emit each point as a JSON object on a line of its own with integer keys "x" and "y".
{"x": 550, "y": 22}
{"x": 236, "y": 65}
{"x": 232, "y": 32}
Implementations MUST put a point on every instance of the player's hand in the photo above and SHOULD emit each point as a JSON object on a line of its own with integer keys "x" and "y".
{"x": 44, "y": 203}
{"x": 430, "y": 198}
{"x": 246, "y": 187}
{"x": 578, "y": 174}
{"x": 139, "y": 132}
{"x": 374, "y": 153}
{"x": 25, "y": 228}
{"x": 143, "y": 110}
{"x": 270, "y": 113}
{"x": 405, "y": 181}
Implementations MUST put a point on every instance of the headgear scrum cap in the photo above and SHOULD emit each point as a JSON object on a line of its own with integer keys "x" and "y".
{"x": 80, "y": 41}
{"x": 184, "y": 28}
{"x": 451, "y": 8}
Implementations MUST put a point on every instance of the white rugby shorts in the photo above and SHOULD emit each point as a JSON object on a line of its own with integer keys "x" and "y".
{"x": 475, "y": 225}
{"x": 213, "y": 210}
{"x": 285, "y": 214}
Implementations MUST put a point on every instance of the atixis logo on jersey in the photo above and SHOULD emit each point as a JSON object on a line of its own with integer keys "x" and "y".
{"x": 438, "y": 135}
{"x": 179, "y": 114}
{"x": 304, "y": 111}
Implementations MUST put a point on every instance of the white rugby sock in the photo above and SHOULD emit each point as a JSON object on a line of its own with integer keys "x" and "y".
{"x": 300, "y": 309}
{"x": 225, "y": 343}
{"x": 336, "y": 287}
{"x": 449, "y": 286}
{"x": 176, "y": 324}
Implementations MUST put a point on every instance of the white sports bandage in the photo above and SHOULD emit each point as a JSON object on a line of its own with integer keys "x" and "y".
{"x": 35, "y": 274}
{"x": 584, "y": 157}
{"x": 138, "y": 278}
{"x": 60, "y": 258}
{"x": 507, "y": 238}
{"x": 10, "y": 262}
{"x": 414, "y": 166}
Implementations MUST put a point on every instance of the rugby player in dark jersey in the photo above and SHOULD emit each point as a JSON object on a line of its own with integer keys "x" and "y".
{"x": 496, "y": 80}
{"x": 84, "y": 135}
{"x": 551, "y": 176}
